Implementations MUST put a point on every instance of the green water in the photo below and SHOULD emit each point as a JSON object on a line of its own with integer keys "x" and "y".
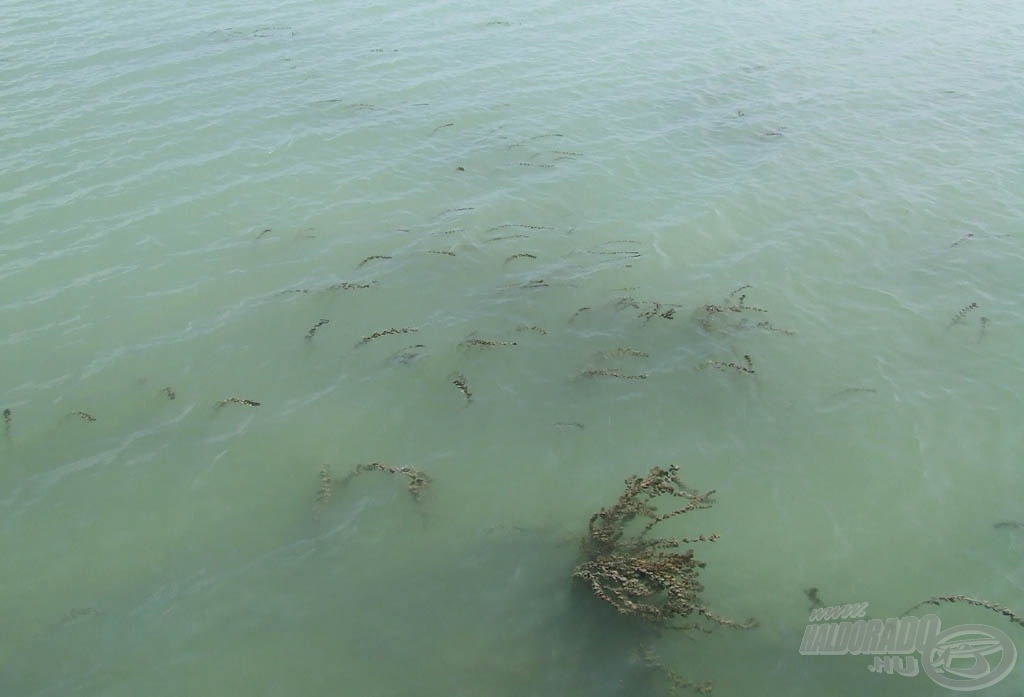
{"x": 184, "y": 190}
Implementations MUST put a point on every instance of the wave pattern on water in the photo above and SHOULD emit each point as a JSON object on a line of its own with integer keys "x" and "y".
{"x": 557, "y": 205}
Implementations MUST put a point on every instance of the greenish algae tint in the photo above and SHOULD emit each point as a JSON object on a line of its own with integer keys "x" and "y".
{"x": 529, "y": 253}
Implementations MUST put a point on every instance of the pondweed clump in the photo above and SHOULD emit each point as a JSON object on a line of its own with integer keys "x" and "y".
{"x": 643, "y": 576}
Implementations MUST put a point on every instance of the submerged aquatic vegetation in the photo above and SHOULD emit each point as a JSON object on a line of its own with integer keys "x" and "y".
{"x": 963, "y": 313}
{"x": 348, "y": 286}
{"x": 621, "y": 252}
{"x": 708, "y": 316}
{"x": 521, "y": 255}
{"x": 599, "y": 357}
{"x": 507, "y": 237}
{"x": 418, "y": 481}
{"x": 747, "y": 369}
{"x": 627, "y": 301}
{"x": 408, "y": 354}
{"x": 983, "y": 327}
{"x": 620, "y": 352}
{"x": 656, "y": 310}
{"x": 237, "y": 400}
{"x": 457, "y": 210}
{"x": 7, "y": 422}
{"x": 814, "y": 596}
{"x": 485, "y": 343}
{"x": 345, "y": 285}
{"x": 769, "y": 327}
{"x": 77, "y": 613}
{"x": 676, "y": 682}
{"x": 578, "y": 313}
{"x": 370, "y": 258}
{"x": 536, "y": 283}
{"x": 386, "y": 332}
{"x": 324, "y": 493}
{"x": 611, "y": 373}
{"x": 312, "y": 330}
{"x": 967, "y": 600}
{"x": 647, "y": 577}
{"x": 460, "y": 382}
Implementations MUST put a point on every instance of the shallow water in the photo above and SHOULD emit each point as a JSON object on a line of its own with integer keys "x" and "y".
{"x": 186, "y": 193}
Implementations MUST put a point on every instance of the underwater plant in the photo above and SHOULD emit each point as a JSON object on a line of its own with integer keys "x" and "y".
{"x": 237, "y": 400}
{"x": 968, "y": 600}
{"x": 460, "y": 381}
{"x": 640, "y": 575}
{"x": 708, "y": 315}
{"x": 417, "y": 482}
{"x": 312, "y": 330}
{"x": 386, "y": 332}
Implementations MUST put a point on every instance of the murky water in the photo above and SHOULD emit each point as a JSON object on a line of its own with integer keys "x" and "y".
{"x": 186, "y": 193}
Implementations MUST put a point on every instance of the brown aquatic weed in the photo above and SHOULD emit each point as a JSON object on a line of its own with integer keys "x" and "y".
{"x": 611, "y": 373}
{"x": 239, "y": 401}
{"x": 460, "y": 382}
{"x": 372, "y": 257}
{"x": 641, "y": 576}
{"x": 963, "y": 313}
{"x": 485, "y": 343}
{"x": 386, "y": 332}
{"x": 747, "y": 369}
{"x": 418, "y": 481}
{"x": 312, "y": 330}
{"x": 578, "y": 313}
{"x": 967, "y": 600}
{"x": 521, "y": 255}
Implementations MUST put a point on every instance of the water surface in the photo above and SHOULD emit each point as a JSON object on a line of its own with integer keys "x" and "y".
{"x": 185, "y": 192}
